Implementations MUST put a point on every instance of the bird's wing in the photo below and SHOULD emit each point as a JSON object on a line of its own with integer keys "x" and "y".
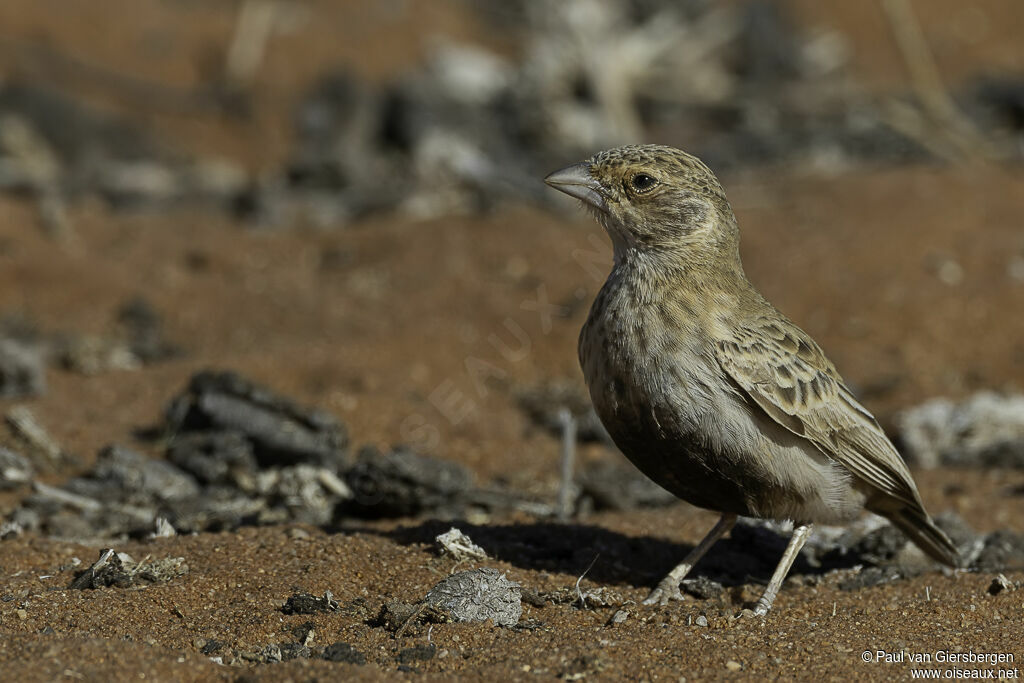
{"x": 780, "y": 368}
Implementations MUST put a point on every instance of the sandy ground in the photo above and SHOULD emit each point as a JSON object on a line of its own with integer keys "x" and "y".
{"x": 367, "y": 322}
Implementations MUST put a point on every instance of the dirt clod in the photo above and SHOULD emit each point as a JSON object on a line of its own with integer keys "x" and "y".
{"x": 304, "y": 603}
{"x": 343, "y": 652}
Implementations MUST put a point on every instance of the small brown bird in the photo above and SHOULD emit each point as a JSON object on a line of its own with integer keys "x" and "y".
{"x": 708, "y": 389}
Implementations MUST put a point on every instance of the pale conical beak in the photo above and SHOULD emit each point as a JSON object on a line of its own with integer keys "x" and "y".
{"x": 577, "y": 182}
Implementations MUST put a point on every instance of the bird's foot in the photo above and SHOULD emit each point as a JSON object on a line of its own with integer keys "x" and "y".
{"x": 667, "y": 590}
{"x": 762, "y": 607}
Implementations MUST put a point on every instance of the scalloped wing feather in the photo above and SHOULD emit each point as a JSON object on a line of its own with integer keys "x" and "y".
{"x": 781, "y": 369}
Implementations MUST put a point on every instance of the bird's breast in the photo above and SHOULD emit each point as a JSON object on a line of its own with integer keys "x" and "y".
{"x": 641, "y": 356}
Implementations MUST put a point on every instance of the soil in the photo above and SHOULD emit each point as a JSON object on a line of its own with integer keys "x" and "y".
{"x": 905, "y": 276}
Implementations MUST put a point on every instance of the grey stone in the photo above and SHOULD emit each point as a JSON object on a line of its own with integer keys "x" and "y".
{"x": 479, "y": 595}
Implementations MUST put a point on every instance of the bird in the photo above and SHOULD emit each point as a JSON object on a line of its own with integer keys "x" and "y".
{"x": 706, "y": 387}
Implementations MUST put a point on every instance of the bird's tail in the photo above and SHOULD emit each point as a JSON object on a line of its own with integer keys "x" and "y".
{"x": 919, "y": 527}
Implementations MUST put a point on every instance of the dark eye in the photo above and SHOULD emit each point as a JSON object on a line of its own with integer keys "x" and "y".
{"x": 642, "y": 182}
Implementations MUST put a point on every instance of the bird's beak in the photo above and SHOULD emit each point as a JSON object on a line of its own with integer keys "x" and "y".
{"x": 576, "y": 181}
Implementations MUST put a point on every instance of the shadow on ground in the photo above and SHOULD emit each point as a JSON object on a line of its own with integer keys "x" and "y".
{"x": 749, "y": 554}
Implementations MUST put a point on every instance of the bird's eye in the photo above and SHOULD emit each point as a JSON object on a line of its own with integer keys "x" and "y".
{"x": 642, "y": 182}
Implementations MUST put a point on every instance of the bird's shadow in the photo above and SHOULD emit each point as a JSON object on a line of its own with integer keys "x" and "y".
{"x": 749, "y": 553}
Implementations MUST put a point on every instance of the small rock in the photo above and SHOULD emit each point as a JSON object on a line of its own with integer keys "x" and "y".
{"x": 22, "y": 369}
{"x": 120, "y": 570}
{"x": 702, "y": 587}
{"x": 304, "y": 603}
{"x": 163, "y": 529}
{"x": 619, "y": 617}
{"x": 122, "y": 474}
{"x": 532, "y": 597}
{"x": 343, "y": 652}
{"x": 1000, "y": 550}
{"x": 215, "y": 457}
{"x": 403, "y": 483}
{"x": 1000, "y": 584}
{"x": 479, "y": 595}
{"x": 985, "y": 430}
{"x": 15, "y": 470}
{"x": 290, "y": 651}
{"x": 142, "y": 327}
{"x": 701, "y": 620}
{"x": 395, "y": 614}
{"x": 543, "y": 404}
{"x": 733, "y": 665}
{"x": 304, "y": 633}
{"x": 271, "y": 653}
{"x": 280, "y": 431}
{"x": 417, "y": 653}
{"x": 620, "y": 486}
{"x": 460, "y": 546}
{"x": 10, "y": 529}
{"x": 871, "y": 576}
{"x": 26, "y": 427}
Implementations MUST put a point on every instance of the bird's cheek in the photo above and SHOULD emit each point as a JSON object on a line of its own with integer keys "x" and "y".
{"x": 693, "y": 213}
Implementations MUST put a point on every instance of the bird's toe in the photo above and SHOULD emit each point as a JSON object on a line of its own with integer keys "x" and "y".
{"x": 667, "y": 590}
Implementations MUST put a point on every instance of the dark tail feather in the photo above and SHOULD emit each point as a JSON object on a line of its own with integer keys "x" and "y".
{"x": 931, "y": 539}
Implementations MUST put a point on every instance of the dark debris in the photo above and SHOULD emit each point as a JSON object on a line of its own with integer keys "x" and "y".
{"x": 305, "y": 603}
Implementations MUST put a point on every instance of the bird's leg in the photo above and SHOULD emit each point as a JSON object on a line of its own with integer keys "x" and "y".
{"x": 764, "y": 603}
{"x": 668, "y": 588}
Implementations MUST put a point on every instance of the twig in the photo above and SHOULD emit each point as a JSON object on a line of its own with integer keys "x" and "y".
{"x": 579, "y": 593}
{"x": 67, "y": 498}
{"x": 25, "y": 425}
{"x": 253, "y": 28}
{"x": 932, "y": 94}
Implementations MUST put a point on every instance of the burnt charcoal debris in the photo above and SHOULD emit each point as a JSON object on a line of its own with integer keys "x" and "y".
{"x": 997, "y": 101}
{"x": 620, "y": 486}
{"x": 57, "y": 148}
{"x": 1003, "y": 549}
{"x": 703, "y": 588}
{"x": 279, "y": 431}
{"x": 126, "y": 476}
{"x": 236, "y": 454}
{"x": 984, "y": 430}
{"x": 141, "y": 325}
{"x": 544, "y": 402}
{"x": 135, "y": 338}
{"x": 22, "y": 369}
{"x": 15, "y": 469}
{"x": 227, "y": 464}
{"x": 399, "y": 617}
{"x": 343, "y": 652}
{"x": 417, "y": 653}
{"x": 468, "y": 128}
{"x": 212, "y": 477}
{"x": 403, "y": 483}
{"x": 122, "y": 571}
{"x": 306, "y": 603}
{"x": 222, "y": 458}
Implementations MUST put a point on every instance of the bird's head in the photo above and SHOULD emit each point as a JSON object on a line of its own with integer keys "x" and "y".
{"x": 654, "y": 199}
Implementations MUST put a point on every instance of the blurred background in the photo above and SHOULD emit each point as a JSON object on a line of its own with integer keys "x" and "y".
{"x": 343, "y": 201}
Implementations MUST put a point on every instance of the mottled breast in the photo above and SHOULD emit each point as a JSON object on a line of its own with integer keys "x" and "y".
{"x": 651, "y": 378}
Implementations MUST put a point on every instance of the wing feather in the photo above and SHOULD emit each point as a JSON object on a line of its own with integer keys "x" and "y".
{"x": 782, "y": 370}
